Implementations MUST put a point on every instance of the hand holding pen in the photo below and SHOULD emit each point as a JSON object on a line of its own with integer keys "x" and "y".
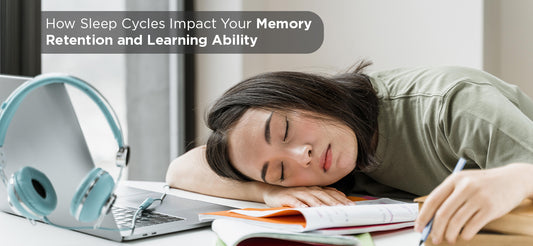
{"x": 425, "y": 233}
{"x": 465, "y": 202}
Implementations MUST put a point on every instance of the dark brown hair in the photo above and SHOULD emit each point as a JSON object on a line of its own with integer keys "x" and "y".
{"x": 348, "y": 98}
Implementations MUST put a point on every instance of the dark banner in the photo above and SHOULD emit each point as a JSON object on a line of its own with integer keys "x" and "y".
{"x": 181, "y": 32}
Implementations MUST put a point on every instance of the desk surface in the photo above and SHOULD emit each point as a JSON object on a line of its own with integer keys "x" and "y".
{"x": 18, "y": 231}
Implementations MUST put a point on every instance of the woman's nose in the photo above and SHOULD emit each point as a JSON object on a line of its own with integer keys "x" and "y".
{"x": 302, "y": 155}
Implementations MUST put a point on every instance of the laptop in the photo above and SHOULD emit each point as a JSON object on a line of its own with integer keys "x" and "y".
{"x": 45, "y": 134}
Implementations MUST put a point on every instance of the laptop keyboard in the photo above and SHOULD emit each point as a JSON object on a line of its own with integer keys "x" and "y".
{"x": 123, "y": 216}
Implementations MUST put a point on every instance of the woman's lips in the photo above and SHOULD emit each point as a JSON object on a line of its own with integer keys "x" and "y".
{"x": 326, "y": 159}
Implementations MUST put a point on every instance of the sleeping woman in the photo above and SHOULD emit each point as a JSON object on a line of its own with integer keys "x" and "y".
{"x": 299, "y": 139}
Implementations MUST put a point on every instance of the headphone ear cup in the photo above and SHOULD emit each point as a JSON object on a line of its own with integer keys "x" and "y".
{"x": 92, "y": 195}
{"x": 31, "y": 194}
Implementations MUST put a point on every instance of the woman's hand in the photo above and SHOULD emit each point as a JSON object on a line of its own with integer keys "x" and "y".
{"x": 467, "y": 201}
{"x": 278, "y": 196}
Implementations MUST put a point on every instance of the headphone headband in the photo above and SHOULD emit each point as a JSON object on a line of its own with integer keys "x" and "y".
{"x": 11, "y": 104}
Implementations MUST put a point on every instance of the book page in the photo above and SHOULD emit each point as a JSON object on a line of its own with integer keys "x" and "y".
{"x": 336, "y": 216}
{"x": 364, "y": 228}
{"x": 379, "y": 201}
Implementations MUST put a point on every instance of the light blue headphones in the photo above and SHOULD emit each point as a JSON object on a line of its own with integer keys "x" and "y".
{"x": 30, "y": 192}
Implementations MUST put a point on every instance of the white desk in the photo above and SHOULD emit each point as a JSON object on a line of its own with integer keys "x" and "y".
{"x": 18, "y": 231}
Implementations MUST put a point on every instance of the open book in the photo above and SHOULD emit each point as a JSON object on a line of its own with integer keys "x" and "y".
{"x": 238, "y": 233}
{"x": 316, "y": 218}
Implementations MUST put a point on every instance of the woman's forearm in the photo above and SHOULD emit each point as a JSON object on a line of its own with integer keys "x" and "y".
{"x": 191, "y": 172}
{"x": 524, "y": 175}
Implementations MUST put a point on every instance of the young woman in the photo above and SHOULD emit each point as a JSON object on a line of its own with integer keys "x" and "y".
{"x": 296, "y": 139}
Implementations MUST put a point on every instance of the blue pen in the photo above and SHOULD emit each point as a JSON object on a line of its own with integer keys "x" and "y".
{"x": 425, "y": 233}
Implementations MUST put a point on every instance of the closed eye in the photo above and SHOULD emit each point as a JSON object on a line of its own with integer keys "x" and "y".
{"x": 282, "y": 177}
{"x": 286, "y": 129}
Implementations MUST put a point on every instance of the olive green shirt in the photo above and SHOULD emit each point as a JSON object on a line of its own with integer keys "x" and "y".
{"x": 429, "y": 117}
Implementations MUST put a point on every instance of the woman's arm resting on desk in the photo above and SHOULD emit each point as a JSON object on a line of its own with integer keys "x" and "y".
{"x": 470, "y": 199}
{"x": 191, "y": 172}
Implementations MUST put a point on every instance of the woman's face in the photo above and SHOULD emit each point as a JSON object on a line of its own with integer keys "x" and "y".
{"x": 291, "y": 148}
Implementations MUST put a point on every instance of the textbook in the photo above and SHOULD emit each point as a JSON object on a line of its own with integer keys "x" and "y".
{"x": 517, "y": 222}
{"x": 239, "y": 233}
{"x": 316, "y": 218}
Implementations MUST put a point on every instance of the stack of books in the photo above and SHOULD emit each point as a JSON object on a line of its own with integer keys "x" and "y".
{"x": 514, "y": 228}
{"x": 310, "y": 226}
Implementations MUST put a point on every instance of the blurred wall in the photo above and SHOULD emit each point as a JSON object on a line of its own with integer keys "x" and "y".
{"x": 390, "y": 33}
{"x": 486, "y": 34}
{"x": 215, "y": 73}
{"x": 514, "y": 48}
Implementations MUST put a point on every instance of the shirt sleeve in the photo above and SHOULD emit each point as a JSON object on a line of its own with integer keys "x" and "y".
{"x": 486, "y": 127}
